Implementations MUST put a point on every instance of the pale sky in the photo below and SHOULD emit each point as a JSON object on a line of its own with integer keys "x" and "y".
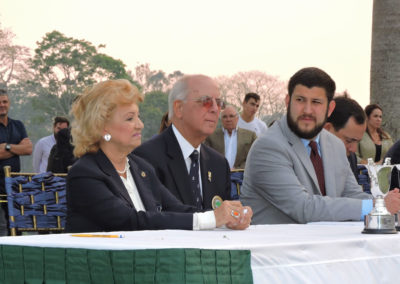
{"x": 213, "y": 37}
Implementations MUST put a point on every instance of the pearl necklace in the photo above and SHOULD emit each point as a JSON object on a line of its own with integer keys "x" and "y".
{"x": 126, "y": 168}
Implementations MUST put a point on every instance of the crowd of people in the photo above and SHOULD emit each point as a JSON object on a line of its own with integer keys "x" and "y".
{"x": 303, "y": 168}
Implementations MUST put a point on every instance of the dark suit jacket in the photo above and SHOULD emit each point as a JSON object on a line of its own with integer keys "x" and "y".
{"x": 97, "y": 199}
{"x": 394, "y": 155}
{"x": 353, "y": 164}
{"x": 245, "y": 139}
{"x": 165, "y": 155}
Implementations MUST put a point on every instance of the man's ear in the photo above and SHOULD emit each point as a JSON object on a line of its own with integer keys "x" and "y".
{"x": 287, "y": 100}
{"x": 331, "y": 107}
{"x": 178, "y": 108}
{"x": 328, "y": 126}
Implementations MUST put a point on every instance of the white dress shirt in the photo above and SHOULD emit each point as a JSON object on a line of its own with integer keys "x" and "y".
{"x": 41, "y": 153}
{"x": 187, "y": 149}
{"x": 230, "y": 146}
{"x": 133, "y": 192}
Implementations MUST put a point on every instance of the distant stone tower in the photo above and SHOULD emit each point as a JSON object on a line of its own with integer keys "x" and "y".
{"x": 385, "y": 63}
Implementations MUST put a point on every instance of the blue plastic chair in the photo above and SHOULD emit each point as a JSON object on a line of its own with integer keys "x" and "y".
{"x": 36, "y": 202}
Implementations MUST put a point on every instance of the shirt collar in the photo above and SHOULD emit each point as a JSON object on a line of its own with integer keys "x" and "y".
{"x": 186, "y": 148}
{"x": 306, "y": 141}
{"x": 226, "y": 131}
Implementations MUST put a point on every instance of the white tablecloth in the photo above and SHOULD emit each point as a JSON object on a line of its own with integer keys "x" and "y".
{"x": 313, "y": 253}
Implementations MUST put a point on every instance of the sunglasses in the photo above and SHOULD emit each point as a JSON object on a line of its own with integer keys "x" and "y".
{"x": 208, "y": 102}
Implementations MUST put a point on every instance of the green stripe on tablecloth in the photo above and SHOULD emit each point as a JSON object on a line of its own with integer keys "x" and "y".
{"x": 208, "y": 269}
{"x": 55, "y": 265}
{"x": 33, "y": 265}
{"x": 13, "y": 264}
{"x": 123, "y": 264}
{"x": 77, "y": 267}
{"x": 193, "y": 266}
{"x": 145, "y": 266}
{"x": 20, "y": 264}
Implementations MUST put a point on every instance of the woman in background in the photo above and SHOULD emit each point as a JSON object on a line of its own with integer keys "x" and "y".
{"x": 165, "y": 122}
{"x": 375, "y": 142}
{"x": 110, "y": 189}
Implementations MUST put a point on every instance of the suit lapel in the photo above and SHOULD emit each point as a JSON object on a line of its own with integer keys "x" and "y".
{"x": 300, "y": 150}
{"x": 221, "y": 140}
{"x": 240, "y": 148}
{"x": 206, "y": 174}
{"x": 327, "y": 158}
{"x": 141, "y": 180}
{"x": 107, "y": 167}
{"x": 177, "y": 167}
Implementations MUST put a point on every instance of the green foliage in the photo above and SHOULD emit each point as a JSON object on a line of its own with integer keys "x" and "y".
{"x": 151, "y": 110}
{"x": 63, "y": 67}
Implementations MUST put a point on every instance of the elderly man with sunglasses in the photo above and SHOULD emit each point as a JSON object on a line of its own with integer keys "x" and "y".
{"x": 195, "y": 173}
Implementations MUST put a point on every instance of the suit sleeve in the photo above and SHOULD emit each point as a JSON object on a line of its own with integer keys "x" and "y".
{"x": 169, "y": 201}
{"x": 227, "y": 181}
{"x": 94, "y": 199}
{"x": 272, "y": 178}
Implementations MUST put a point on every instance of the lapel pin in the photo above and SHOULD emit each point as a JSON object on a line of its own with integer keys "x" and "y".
{"x": 143, "y": 174}
{"x": 209, "y": 176}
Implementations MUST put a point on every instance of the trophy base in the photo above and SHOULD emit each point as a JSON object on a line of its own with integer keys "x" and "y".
{"x": 380, "y": 231}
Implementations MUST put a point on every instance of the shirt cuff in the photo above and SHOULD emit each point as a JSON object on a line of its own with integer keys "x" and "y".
{"x": 366, "y": 208}
{"x": 204, "y": 221}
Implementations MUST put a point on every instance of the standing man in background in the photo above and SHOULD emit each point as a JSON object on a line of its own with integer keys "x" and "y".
{"x": 230, "y": 140}
{"x": 247, "y": 119}
{"x": 43, "y": 146}
{"x": 14, "y": 142}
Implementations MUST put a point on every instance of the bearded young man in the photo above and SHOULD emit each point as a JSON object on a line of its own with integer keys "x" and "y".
{"x": 299, "y": 172}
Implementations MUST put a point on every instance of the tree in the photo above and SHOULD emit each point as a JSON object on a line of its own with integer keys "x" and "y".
{"x": 152, "y": 80}
{"x": 63, "y": 67}
{"x": 151, "y": 111}
{"x": 269, "y": 88}
{"x": 13, "y": 59}
{"x": 385, "y": 62}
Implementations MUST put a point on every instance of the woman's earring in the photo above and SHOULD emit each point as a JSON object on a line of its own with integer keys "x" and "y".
{"x": 107, "y": 137}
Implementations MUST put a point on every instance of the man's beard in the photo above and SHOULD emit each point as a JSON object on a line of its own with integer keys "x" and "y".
{"x": 305, "y": 134}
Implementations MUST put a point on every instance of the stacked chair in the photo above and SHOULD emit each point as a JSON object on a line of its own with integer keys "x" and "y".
{"x": 363, "y": 178}
{"x": 36, "y": 202}
{"x": 236, "y": 183}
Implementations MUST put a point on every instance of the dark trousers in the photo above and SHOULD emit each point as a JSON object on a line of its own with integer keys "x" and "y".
{"x": 3, "y": 210}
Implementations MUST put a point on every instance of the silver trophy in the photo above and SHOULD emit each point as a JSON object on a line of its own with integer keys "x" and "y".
{"x": 379, "y": 220}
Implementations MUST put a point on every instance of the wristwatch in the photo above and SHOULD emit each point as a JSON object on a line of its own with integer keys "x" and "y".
{"x": 8, "y": 147}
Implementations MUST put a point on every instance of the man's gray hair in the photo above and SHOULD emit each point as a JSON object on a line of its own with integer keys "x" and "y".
{"x": 178, "y": 92}
{"x": 232, "y": 106}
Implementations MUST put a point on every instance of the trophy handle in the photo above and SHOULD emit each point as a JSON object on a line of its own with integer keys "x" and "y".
{"x": 384, "y": 176}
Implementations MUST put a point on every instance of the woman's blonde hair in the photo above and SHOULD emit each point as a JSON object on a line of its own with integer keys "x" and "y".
{"x": 93, "y": 109}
